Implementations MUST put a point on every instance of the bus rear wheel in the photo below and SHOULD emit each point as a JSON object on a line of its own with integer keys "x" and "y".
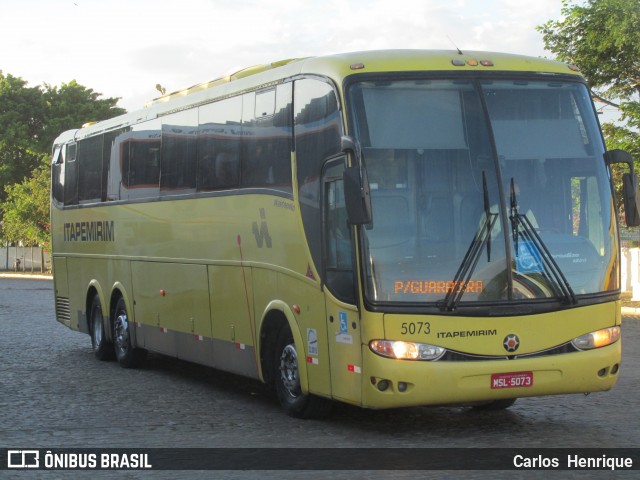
{"x": 127, "y": 355}
{"x": 287, "y": 381}
{"x": 102, "y": 348}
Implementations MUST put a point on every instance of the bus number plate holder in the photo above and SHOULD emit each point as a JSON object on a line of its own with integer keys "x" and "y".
{"x": 512, "y": 380}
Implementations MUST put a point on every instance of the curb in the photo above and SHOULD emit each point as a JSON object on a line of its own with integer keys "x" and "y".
{"x": 27, "y": 276}
{"x": 630, "y": 312}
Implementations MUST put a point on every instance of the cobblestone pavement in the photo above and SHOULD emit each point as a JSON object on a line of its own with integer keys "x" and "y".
{"x": 55, "y": 394}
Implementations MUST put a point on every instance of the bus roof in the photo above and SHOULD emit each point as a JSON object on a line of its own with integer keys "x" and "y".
{"x": 337, "y": 67}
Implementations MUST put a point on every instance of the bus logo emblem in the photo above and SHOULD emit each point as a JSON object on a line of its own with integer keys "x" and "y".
{"x": 511, "y": 343}
{"x": 262, "y": 233}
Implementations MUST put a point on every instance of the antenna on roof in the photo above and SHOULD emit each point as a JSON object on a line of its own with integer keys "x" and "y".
{"x": 454, "y": 44}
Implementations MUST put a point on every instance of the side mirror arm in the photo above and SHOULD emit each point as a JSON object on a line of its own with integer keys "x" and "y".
{"x": 619, "y": 156}
{"x": 349, "y": 145}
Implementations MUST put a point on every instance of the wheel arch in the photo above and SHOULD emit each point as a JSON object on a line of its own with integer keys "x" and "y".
{"x": 277, "y": 315}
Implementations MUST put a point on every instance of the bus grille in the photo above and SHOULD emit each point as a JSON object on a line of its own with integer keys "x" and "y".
{"x": 63, "y": 309}
{"x": 453, "y": 356}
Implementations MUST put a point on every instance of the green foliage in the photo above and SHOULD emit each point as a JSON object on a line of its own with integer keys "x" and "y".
{"x": 72, "y": 105}
{"x": 16, "y": 164}
{"x": 30, "y": 119}
{"x": 21, "y": 112}
{"x": 602, "y": 37}
{"x": 26, "y": 211}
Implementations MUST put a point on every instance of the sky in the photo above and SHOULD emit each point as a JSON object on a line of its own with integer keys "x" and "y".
{"x": 124, "y": 48}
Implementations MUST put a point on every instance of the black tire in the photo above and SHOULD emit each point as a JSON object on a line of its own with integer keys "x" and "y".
{"x": 287, "y": 381}
{"x": 126, "y": 354}
{"x": 102, "y": 348}
{"x": 496, "y": 404}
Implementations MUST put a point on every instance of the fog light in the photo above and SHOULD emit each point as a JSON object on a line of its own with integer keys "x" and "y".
{"x": 383, "y": 385}
{"x": 402, "y": 386}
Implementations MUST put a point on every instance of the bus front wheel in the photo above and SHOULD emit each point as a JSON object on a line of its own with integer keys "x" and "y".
{"x": 287, "y": 381}
{"x": 126, "y": 354}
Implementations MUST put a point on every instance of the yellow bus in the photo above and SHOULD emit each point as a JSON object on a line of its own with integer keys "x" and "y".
{"x": 382, "y": 228}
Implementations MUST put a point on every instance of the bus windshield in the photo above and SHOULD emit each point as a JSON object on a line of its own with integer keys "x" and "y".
{"x": 484, "y": 191}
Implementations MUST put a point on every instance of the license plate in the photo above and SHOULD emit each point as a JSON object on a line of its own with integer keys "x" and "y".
{"x": 512, "y": 380}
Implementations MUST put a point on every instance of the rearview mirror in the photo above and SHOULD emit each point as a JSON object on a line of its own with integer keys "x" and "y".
{"x": 630, "y": 192}
{"x": 356, "y": 184}
{"x": 631, "y": 195}
{"x": 357, "y": 196}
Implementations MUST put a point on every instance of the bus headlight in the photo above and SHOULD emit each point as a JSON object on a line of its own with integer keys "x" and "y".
{"x": 597, "y": 339}
{"x": 406, "y": 350}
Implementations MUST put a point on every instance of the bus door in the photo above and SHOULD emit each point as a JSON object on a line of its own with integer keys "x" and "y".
{"x": 343, "y": 323}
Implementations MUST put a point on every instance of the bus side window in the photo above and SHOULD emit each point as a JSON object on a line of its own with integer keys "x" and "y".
{"x": 90, "y": 169}
{"x": 57, "y": 175}
{"x": 111, "y": 163}
{"x": 219, "y": 144}
{"x": 142, "y": 177}
{"x": 178, "y": 159}
{"x": 266, "y": 138}
{"x": 71, "y": 176}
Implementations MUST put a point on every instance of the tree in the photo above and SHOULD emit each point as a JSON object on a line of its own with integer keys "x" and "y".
{"x": 21, "y": 112}
{"x": 602, "y": 37}
{"x": 70, "y": 106}
{"x": 16, "y": 164}
{"x": 26, "y": 211}
{"x": 21, "y": 117}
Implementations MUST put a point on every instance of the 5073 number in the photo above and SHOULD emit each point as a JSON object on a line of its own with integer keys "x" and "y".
{"x": 413, "y": 328}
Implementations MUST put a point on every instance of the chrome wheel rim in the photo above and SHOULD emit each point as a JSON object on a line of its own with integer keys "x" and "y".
{"x": 121, "y": 333}
{"x": 289, "y": 371}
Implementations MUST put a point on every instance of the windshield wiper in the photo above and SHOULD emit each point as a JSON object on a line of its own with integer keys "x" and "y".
{"x": 522, "y": 226}
{"x": 473, "y": 254}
